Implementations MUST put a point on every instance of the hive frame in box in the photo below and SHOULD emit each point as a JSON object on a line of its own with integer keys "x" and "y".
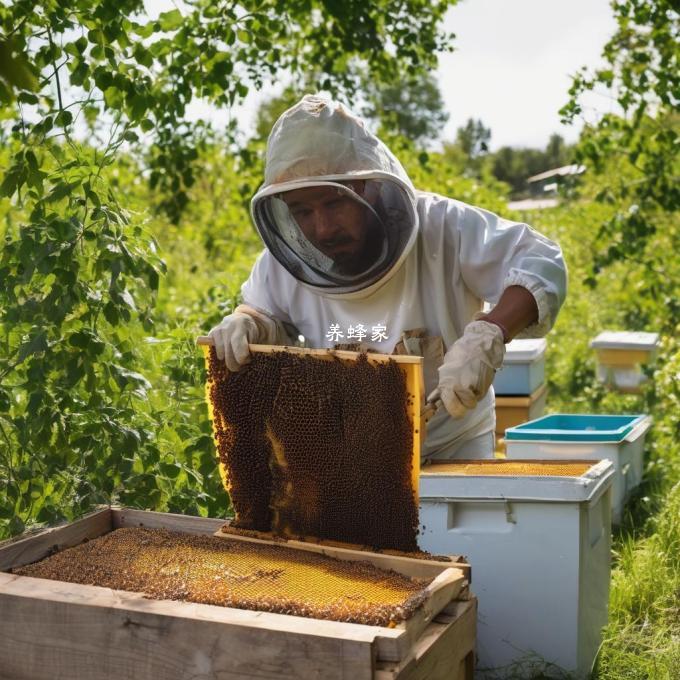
{"x": 54, "y": 629}
{"x": 411, "y": 366}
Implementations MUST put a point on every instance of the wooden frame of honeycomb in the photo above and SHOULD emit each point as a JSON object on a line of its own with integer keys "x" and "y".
{"x": 289, "y": 479}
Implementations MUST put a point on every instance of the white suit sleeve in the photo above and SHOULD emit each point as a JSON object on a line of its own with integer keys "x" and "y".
{"x": 264, "y": 293}
{"x": 495, "y": 253}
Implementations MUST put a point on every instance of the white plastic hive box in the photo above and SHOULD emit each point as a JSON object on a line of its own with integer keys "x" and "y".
{"x": 523, "y": 369}
{"x": 620, "y": 356}
{"x": 539, "y": 550}
{"x": 618, "y": 438}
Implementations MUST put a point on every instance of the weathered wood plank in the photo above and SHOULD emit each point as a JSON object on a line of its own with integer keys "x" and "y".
{"x": 328, "y": 353}
{"x": 37, "y": 546}
{"x": 51, "y": 629}
{"x": 409, "y": 566}
{"x": 129, "y": 517}
{"x": 440, "y": 593}
{"x": 445, "y": 651}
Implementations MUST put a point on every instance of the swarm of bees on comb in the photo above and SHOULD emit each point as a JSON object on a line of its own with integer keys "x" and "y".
{"x": 178, "y": 566}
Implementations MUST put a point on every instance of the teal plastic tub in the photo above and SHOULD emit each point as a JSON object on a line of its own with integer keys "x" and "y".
{"x": 567, "y": 436}
{"x": 578, "y": 427}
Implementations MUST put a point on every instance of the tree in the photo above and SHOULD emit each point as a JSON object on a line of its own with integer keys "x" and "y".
{"x": 557, "y": 153}
{"x": 473, "y": 138}
{"x": 270, "y": 109}
{"x": 515, "y": 165}
{"x": 412, "y": 108}
{"x": 467, "y": 154}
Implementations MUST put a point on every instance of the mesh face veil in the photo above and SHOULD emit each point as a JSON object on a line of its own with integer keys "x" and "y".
{"x": 339, "y": 236}
{"x": 336, "y": 209}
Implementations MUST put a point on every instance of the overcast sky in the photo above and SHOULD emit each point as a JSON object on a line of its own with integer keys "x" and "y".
{"x": 511, "y": 67}
{"x": 513, "y": 62}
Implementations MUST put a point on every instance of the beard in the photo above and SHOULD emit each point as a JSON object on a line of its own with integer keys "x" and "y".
{"x": 353, "y": 264}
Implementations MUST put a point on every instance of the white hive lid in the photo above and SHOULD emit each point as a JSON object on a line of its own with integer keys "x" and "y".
{"x": 524, "y": 351}
{"x": 625, "y": 340}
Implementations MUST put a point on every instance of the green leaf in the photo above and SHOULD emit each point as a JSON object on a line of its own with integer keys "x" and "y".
{"x": 5, "y": 400}
{"x": 14, "y": 179}
{"x": 95, "y": 36}
{"x": 16, "y": 526}
{"x": 61, "y": 190}
{"x": 28, "y": 98}
{"x": 64, "y": 118}
{"x": 111, "y": 313}
{"x": 170, "y": 21}
{"x": 15, "y": 67}
{"x": 34, "y": 344}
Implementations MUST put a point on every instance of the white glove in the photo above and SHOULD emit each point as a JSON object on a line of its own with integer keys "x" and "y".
{"x": 245, "y": 325}
{"x": 469, "y": 367}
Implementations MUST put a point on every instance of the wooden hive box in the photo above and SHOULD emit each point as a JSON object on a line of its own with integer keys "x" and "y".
{"x": 512, "y": 411}
{"x": 53, "y": 629}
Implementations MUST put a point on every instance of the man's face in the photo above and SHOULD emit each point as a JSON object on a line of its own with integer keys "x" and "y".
{"x": 334, "y": 223}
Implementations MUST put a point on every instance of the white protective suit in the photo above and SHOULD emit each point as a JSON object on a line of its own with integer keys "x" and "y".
{"x": 450, "y": 259}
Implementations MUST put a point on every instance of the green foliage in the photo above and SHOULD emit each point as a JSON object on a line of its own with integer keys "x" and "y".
{"x": 15, "y": 71}
{"x": 623, "y": 239}
{"x": 111, "y": 59}
{"x": 636, "y": 152}
{"x": 102, "y": 387}
{"x": 642, "y": 638}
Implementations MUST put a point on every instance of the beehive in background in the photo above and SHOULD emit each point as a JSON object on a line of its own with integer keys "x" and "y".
{"x": 538, "y": 536}
{"x": 320, "y": 446}
{"x": 621, "y": 356}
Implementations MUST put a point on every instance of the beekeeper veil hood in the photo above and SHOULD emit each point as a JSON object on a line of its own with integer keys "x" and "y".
{"x": 336, "y": 209}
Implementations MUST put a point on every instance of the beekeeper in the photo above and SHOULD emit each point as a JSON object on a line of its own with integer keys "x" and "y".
{"x": 355, "y": 253}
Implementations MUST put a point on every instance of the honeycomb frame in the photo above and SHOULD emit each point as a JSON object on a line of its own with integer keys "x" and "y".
{"x": 270, "y": 499}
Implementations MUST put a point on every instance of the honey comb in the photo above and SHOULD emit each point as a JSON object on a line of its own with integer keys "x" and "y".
{"x": 511, "y": 468}
{"x": 172, "y": 565}
{"x": 316, "y": 447}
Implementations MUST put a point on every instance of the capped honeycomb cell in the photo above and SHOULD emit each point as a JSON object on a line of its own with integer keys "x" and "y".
{"x": 315, "y": 447}
{"x": 173, "y": 565}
